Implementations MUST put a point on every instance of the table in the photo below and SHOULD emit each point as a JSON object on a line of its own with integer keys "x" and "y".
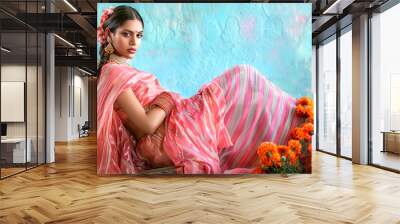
{"x": 13, "y": 150}
{"x": 391, "y": 141}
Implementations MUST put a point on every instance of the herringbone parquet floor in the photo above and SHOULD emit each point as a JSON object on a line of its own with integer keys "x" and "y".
{"x": 69, "y": 191}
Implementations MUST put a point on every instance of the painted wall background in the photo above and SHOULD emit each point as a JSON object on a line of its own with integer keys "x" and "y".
{"x": 187, "y": 45}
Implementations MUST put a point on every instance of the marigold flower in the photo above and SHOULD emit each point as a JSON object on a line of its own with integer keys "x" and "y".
{"x": 283, "y": 149}
{"x": 310, "y": 113}
{"x": 297, "y": 134}
{"x": 304, "y": 101}
{"x": 265, "y": 151}
{"x": 292, "y": 158}
{"x": 308, "y": 127}
{"x": 276, "y": 159}
{"x": 307, "y": 138}
{"x": 266, "y": 160}
{"x": 295, "y": 146}
{"x": 305, "y": 107}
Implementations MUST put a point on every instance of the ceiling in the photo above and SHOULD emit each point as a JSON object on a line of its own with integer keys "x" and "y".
{"x": 78, "y": 27}
{"x": 76, "y": 23}
{"x": 332, "y": 15}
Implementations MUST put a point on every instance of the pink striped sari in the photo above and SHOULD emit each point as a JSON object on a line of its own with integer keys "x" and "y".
{"x": 115, "y": 145}
{"x": 215, "y": 131}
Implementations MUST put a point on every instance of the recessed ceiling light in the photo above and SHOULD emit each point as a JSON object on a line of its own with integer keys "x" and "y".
{"x": 337, "y": 7}
{"x": 5, "y": 49}
{"x": 70, "y": 5}
{"x": 86, "y": 72}
{"x": 64, "y": 40}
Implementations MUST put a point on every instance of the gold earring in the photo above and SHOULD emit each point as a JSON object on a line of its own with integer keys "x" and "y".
{"x": 109, "y": 49}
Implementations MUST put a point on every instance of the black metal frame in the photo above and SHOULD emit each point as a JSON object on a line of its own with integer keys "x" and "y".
{"x": 73, "y": 91}
{"x": 45, "y": 89}
{"x": 37, "y": 90}
{"x": 338, "y": 98}
{"x": 316, "y": 98}
{"x": 0, "y": 89}
{"x": 26, "y": 88}
{"x": 369, "y": 98}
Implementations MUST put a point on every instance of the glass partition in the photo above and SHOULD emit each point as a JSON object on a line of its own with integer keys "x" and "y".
{"x": 346, "y": 93}
{"x": 14, "y": 151}
{"x": 385, "y": 89}
{"x": 327, "y": 96}
{"x": 22, "y": 89}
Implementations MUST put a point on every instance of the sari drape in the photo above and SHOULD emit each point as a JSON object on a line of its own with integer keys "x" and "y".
{"x": 215, "y": 131}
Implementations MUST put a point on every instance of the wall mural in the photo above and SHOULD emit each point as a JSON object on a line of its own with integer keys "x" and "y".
{"x": 204, "y": 88}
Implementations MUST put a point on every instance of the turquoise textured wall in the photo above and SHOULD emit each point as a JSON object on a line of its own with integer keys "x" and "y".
{"x": 186, "y": 45}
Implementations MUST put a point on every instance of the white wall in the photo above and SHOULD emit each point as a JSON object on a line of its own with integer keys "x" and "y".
{"x": 14, "y": 73}
{"x": 34, "y": 125}
{"x": 70, "y": 83}
{"x": 61, "y": 103}
{"x": 80, "y": 83}
{"x": 17, "y": 73}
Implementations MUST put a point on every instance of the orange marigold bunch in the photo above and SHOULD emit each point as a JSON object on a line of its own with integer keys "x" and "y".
{"x": 278, "y": 159}
{"x": 269, "y": 155}
{"x": 296, "y": 155}
{"x": 305, "y": 108}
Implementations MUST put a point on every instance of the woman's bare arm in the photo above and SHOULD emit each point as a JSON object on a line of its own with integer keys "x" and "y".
{"x": 138, "y": 121}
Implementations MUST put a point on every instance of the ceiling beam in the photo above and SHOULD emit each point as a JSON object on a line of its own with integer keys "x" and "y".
{"x": 81, "y": 61}
{"x": 337, "y": 7}
{"x": 86, "y": 26}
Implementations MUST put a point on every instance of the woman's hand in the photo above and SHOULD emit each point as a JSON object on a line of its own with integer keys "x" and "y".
{"x": 136, "y": 118}
{"x": 143, "y": 120}
{"x": 150, "y": 148}
{"x": 135, "y": 131}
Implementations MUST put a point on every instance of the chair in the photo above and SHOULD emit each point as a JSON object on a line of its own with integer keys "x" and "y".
{"x": 84, "y": 130}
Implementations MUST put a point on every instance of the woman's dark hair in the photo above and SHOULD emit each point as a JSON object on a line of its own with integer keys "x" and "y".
{"x": 117, "y": 18}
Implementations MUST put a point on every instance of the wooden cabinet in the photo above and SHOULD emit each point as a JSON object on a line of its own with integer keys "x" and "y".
{"x": 391, "y": 141}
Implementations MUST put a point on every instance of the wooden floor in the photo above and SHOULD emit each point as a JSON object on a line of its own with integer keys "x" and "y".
{"x": 387, "y": 159}
{"x": 5, "y": 172}
{"x": 10, "y": 171}
{"x": 69, "y": 191}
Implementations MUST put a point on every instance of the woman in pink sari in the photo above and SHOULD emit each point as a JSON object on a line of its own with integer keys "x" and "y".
{"x": 143, "y": 126}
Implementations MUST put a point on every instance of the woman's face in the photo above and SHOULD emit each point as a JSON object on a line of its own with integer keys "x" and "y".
{"x": 126, "y": 39}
